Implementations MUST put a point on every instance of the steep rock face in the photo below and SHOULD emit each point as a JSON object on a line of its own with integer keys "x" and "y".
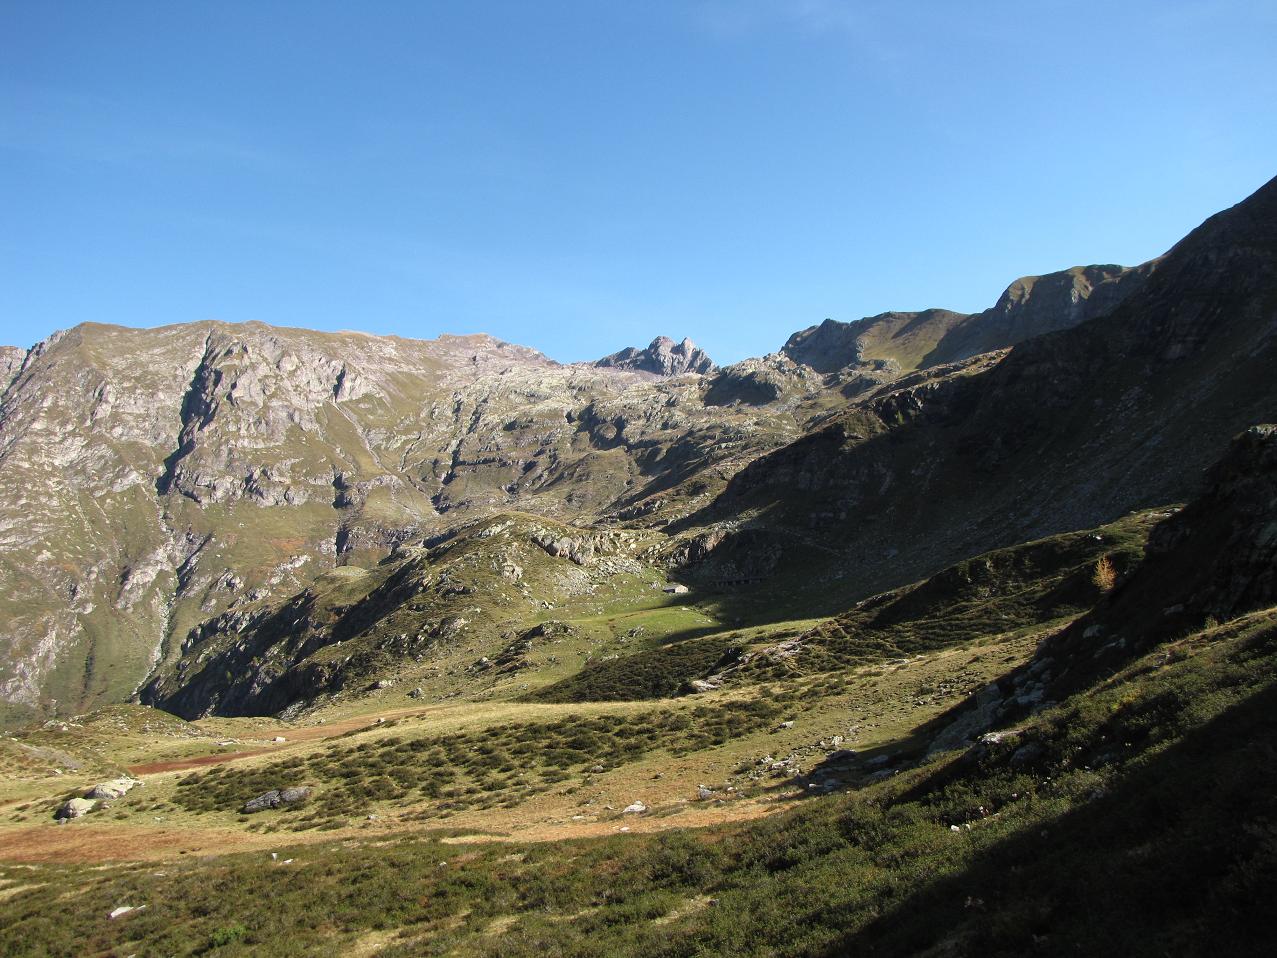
{"x": 663, "y": 356}
{"x": 1035, "y": 305}
{"x": 163, "y": 477}
{"x": 11, "y": 358}
{"x": 1068, "y": 431}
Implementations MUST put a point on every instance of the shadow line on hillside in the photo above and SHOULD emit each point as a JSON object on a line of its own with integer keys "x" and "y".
{"x": 1182, "y": 845}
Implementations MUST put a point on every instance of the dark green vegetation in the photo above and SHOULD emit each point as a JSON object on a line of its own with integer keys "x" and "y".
{"x": 1136, "y": 818}
{"x": 1022, "y": 587}
{"x": 655, "y": 673}
{"x": 497, "y": 767}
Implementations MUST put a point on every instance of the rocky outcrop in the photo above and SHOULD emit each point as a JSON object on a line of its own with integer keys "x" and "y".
{"x": 663, "y": 356}
{"x": 276, "y": 798}
{"x": 758, "y": 382}
{"x": 580, "y": 549}
{"x": 11, "y": 359}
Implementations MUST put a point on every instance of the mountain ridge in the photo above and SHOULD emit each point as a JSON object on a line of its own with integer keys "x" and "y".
{"x": 144, "y": 457}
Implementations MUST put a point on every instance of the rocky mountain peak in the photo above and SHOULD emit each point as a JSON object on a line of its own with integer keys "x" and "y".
{"x": 663, "y": 356}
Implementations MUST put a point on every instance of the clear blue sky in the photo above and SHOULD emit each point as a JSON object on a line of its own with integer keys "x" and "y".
{"x": 578, "y": 176}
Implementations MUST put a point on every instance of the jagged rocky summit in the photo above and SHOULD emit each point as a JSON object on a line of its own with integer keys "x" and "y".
{"x": 663, "y": 356}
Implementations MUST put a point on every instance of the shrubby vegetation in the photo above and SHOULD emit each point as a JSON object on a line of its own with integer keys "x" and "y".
{"x": 656, "y": 673}
{"x": 1025, "y": 587}
{"x": 1137, "y": 818}
{"x": 499, "y": 766}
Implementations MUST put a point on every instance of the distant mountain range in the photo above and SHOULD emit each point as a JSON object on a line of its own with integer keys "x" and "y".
{"x": 200, "y": 514}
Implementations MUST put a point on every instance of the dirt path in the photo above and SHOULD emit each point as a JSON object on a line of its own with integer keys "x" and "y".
{"x": 636, "y": 825}
{"x": 305, "y": 734}
{"x": 80, "y": 842}
{"x": 154, "y": 768}
{"x": 85, "y": 843}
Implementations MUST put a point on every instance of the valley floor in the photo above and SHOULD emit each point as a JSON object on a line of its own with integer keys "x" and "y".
{"x": 1135, "y": 817}
{"x": 877, "y": 710}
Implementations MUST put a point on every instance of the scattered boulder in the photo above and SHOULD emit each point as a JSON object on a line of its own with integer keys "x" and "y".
{"x": 988, "y": 704}
{"x": 276, "y": 798}
{"x": 1027, "y": 754}
{"x": 449, "y": 627}
{"x": 74, "y": 808}
{"x": 638, "y": 808}
{"x": 116, "y": 788}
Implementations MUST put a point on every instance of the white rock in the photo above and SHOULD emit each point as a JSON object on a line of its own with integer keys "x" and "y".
{"x": 116, "y": 788}
{"x": 75, "y": 807}
{"x": 638, "y": 808}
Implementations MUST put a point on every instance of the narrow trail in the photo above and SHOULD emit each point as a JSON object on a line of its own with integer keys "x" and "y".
{"x": 308, "y": 733}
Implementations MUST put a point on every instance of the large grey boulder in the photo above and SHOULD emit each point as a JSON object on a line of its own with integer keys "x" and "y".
{"x": 74, "y": 808}
{"x": 116, "y": 788}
